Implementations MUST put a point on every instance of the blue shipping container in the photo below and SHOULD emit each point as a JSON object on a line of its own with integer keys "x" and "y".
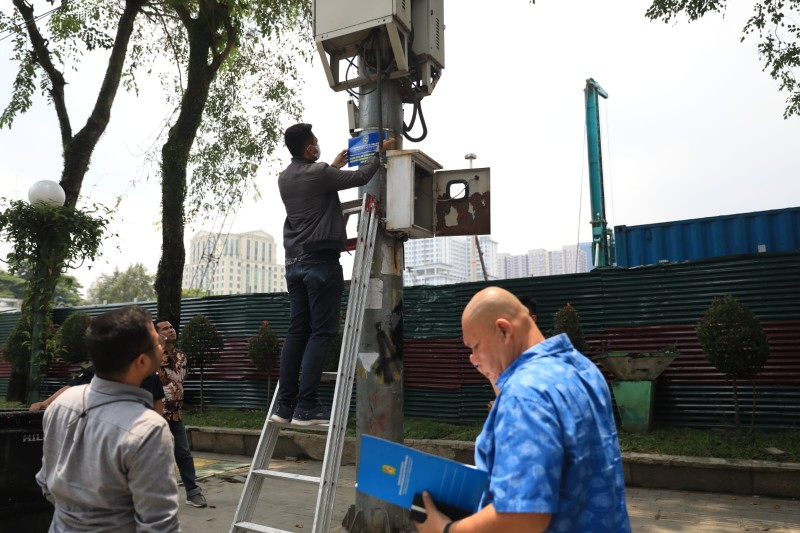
{"x": 777, "y": 230}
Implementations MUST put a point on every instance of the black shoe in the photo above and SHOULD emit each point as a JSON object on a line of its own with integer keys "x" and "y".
{"x": 282, "y": 414}
{"x": 309, "y": 417}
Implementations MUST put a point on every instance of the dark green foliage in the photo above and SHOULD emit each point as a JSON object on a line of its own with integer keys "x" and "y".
{"x": 71, "y": 338}
{"x": 264, "y": 350}
{"x": 332, "y": 358}
{"x": 67, "y": 287}
{"x": 731, "y": 337}
{"x": 17, "y": 349}
{"x": 566, "y": 320}
{"x": 46, "y": 241}
{"x": 776, "y": 24}
{"x": 202, "y": 343}
{"x": 132, "y": 284}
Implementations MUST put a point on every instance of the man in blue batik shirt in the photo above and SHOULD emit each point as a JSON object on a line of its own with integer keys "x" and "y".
{"x": 549, "y": 444}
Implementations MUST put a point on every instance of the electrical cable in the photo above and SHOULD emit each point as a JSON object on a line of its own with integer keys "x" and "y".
{"x": 608, "y": 152}
{"x": 407, "y": 129}
{"x": 12, "y": 31}
{"x": 580, "y": 197}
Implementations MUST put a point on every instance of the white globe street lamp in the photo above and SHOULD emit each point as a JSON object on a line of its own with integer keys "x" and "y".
{"x": 46, "y": 192}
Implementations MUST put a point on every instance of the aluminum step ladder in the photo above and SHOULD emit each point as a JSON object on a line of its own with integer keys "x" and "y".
{"x": 364, "y": 244}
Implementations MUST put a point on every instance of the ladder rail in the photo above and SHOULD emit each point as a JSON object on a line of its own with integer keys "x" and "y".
{"x": 359, "y": 287}
{"x": 261, "y": 459}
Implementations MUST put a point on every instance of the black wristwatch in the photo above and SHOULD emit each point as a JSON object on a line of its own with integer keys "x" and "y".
{"x": 447, "y": 527}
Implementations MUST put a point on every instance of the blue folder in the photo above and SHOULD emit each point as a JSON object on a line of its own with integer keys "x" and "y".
{"x": 395, "y": 473}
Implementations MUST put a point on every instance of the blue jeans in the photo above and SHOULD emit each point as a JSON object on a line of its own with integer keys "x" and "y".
{"x": 183, "y": 456}
{"x": 315, "y": 283}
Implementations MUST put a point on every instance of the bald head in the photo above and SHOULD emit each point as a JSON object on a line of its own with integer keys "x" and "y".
{"x": 492, "y": 303}
{"x": 497, "y": 329}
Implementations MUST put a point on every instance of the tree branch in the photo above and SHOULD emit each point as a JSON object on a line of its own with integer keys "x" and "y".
{"x": 78, "y": 153}
{"x": 230, "y": 43}
{"x": 41, "y": 55}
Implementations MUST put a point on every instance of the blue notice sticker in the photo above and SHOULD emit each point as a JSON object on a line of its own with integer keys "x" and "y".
{"x": 361, "y": 148}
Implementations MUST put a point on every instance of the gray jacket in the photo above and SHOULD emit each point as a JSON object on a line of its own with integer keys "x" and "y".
{"x": 309, "y": 190}
{"x": 108, "y": 462}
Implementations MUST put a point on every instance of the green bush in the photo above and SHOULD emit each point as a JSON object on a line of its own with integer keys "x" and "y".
{"x": 731, "y": 337}
{"x": 202, "y": 344}
{"x": 264, "y": 350}
{"x": 566, "y": 320}
{"x": 71, "y": 338}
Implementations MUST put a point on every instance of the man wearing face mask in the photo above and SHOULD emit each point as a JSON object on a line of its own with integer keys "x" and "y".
{"x": 313, "y": 236}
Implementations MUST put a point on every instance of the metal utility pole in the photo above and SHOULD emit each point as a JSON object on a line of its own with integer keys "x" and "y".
{"x": 602, "y": 235}
{"x": 379, "y": 370}
{"x": 472, "y": 157}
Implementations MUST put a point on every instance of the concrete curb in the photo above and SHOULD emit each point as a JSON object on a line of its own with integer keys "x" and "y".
{"x": 765, "y": 478}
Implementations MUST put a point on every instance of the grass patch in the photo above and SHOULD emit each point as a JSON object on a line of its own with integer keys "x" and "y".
{"x": 11, "y": 405}
{"x": 225, "y": 418}
{"x": 722, "y": 443}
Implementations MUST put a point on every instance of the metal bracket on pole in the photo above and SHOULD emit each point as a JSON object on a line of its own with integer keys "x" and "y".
{"x": 331, "y": 55}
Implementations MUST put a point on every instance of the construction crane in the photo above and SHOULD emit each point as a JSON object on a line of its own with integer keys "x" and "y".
{"x": 602, "y": 236}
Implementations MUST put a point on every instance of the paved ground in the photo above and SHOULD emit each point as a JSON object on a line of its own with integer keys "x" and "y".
{"x": 286, "y": 504}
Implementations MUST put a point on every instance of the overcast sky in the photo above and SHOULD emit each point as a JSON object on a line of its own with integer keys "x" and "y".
{"x": 692, "y": 127}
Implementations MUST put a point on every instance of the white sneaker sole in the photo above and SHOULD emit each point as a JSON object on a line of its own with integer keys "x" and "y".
{"x": 296, "y": 422}
{"x": 278, "y": 418}
{"x": 196, "y": 505}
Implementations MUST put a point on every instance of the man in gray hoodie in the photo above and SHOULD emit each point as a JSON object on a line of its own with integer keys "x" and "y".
{"x": 313, "y": 236}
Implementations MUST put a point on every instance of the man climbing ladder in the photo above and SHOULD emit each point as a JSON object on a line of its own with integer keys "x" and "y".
{"x": 259, "y": 469}
{"x": 313, "y": 236}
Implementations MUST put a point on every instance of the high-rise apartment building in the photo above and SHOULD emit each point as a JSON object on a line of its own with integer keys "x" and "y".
{"x": 491, "y": 259}
{"x": 444, "y": 260}
{"x": 436, "y": 261}
{"x": 242, "y": 263}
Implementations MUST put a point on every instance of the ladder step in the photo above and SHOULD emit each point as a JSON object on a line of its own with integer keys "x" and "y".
{"x": 329, "y": 377}
{"x": 352, "y": 206}
{"x": 287, "y": 475}
{"x": 258, "y": 528}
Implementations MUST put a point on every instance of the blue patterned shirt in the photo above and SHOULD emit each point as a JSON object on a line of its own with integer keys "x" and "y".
{"x": 550, "y": 444}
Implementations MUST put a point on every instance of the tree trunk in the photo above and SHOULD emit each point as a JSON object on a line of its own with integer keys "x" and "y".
{"x": 269, "y": 387}
{"x": 77, "y": 149}
{"x": 736, "y": 405}
{"x": 202, "y": 33}
{"x": 753, "y": 408}
{"x": 202, "y": 397}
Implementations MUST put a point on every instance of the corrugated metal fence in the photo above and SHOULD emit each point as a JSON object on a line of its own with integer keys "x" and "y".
{"x": 638, "y": 309}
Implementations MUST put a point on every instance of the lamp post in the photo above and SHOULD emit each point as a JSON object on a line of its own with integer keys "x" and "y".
{"x": 47, "y": 193}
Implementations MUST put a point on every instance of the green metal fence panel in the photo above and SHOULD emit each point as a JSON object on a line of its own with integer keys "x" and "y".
{"x": 661, "y": 294}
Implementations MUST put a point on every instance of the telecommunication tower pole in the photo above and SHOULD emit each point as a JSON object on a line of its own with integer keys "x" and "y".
{"x": 379, "y": 372}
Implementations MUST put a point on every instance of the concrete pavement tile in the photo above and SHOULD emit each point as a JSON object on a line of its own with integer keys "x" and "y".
{"x": 289, "y": 505}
